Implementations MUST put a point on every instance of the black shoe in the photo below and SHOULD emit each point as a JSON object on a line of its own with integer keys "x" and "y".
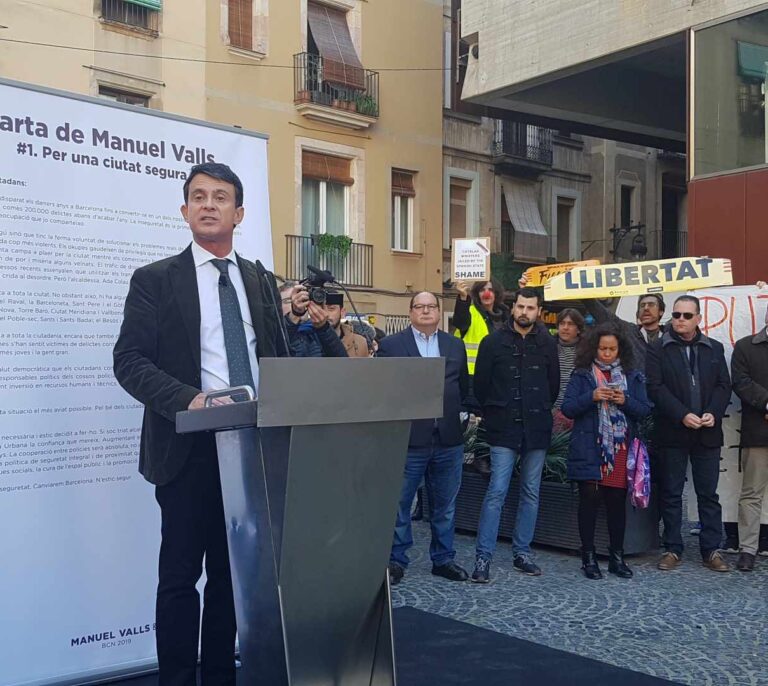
{"x": 617, "y": 566}
{"x": 731, "y": 545}
{"x": 526, "y": 566}
{"x": 450, "y": 571}
{"x": 589, "y": 565}
{"x": 746, "y": 562}
{"x": 482, "y": 573}
{"x": 396, "y": 574}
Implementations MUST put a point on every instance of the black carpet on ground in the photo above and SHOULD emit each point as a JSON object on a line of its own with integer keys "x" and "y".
{"x": 433, "y": 650}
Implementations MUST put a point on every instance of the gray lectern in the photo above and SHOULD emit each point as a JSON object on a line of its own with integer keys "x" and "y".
{"x": 311, "y": 477}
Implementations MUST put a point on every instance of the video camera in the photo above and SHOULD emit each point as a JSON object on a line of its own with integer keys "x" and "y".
{"x": 315, "y": 284}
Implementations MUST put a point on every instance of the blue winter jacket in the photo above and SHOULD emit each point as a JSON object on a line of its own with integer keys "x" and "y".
{"x": 584, "y": 454}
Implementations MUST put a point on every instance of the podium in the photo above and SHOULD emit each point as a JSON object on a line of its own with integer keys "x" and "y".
{"x": 311, "y": 475}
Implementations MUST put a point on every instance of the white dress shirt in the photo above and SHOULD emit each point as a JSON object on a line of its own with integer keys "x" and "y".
{"x": 214, "y": 371}
{"x": 427, "y": 344}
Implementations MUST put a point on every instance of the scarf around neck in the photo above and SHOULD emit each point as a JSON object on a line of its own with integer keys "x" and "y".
{"x": 612, "y": 423}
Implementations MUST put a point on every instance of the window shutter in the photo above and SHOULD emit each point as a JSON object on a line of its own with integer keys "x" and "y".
{"x": 315, "y": 165}
{"x": 241, "y": 24}
{"x": 149, "y": 4}
{"x": 402, "y": 183}
{"x": 330, "y": 32}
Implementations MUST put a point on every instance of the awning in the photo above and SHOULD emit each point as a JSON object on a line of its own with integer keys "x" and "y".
{"x": 150, "y": 4}
{"x": 752, "y": 60}
{"x": 330, "y": 32}
{"x": 531, "y": 239}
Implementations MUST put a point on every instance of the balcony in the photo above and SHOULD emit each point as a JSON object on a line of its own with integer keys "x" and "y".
{"x": 354, "y": 269}
{"x": 521, "y": 149}
{"x": 131, "y": 16}
{"x": 334, "y": 93}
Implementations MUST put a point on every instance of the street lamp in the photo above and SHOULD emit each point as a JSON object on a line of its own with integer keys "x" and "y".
{"x": 638, "y": 249}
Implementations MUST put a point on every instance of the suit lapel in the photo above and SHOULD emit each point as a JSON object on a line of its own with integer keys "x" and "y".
{"x": 410, "y": 343}
{"x": 183, "y": 279}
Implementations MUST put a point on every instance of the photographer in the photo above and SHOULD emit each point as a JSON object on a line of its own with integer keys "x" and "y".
{"x": 309, "y": 332}
{"x": 355, "y": 344}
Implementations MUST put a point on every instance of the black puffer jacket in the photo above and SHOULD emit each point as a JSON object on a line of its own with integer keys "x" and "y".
{"x": 516, "y": 382}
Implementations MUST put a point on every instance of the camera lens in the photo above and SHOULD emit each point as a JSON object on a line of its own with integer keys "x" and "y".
{"x": 318, "y": 295}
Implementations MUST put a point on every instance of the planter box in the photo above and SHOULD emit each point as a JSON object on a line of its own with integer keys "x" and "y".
{"x": 557, "y": 523}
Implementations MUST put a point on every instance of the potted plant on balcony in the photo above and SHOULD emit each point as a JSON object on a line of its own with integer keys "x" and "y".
{"x": 367, "y": 105}
{"x": 331, "y": 245}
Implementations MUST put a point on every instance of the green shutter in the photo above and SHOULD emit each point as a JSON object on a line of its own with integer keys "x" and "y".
{"x": 150, "y": 4}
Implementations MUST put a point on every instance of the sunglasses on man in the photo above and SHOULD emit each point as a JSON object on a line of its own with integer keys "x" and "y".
{"x": 684, "y": 315}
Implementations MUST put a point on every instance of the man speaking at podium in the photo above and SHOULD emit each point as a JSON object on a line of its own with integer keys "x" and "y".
{"x": 193, "y": 323}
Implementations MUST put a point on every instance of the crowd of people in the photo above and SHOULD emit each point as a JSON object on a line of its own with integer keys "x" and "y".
{"x": 614, "y": 385}
{"x": 201, "y": 321}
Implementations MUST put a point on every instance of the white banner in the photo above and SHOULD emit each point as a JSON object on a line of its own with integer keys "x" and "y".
{"x": 728, "y": 314}
{"x": 88, "y": 192}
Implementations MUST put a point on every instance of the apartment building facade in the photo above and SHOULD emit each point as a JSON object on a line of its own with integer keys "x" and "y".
{"x": 685, "y": 78}
{"x": 348, "y": 94}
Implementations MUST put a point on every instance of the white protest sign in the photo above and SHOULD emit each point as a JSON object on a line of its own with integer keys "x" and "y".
{"x": 471, "y": 259}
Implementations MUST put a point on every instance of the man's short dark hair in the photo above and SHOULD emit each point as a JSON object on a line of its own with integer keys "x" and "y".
{"x": 691, "y": 299}
{"x": 574, "y": 315}
{"x": 218, "y": 171}
{"x": 659, "y": 298}
{"x": 528, "y": 293}
{"x": 415, "y": 295}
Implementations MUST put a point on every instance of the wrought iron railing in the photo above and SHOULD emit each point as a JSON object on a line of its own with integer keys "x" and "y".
{"x": 674, "y": 244}
{"x": 330, "y": 83}
{"x": 130, "y": 14}
{"x": 525, "y": 141}
{"x": 354, "y": 269}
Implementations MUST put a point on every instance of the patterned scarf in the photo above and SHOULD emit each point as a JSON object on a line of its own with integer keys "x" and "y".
{"x": 612, "y": 424}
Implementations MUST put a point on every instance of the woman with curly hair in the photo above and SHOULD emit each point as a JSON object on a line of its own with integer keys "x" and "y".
{"x": 606, "y": 397}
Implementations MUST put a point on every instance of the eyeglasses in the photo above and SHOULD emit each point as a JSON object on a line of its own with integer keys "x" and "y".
{"x": 425, "y": 308}
{"x": 684, "y": 315}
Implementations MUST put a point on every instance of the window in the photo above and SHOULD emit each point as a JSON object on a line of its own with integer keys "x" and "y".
{"x": 459, "y": 197}
{"x": 123, "y": 96}
{"x": 730, "y": 81}
{"x": 329, "y": 37}
{"x": 240, "y": 24}
{"x": 142, "y": 14}
{"x": 403, "y": 193}
{"x": 625, "y": 209}
{"x": 565, "y": 210}
{"x": 325, "y": 193}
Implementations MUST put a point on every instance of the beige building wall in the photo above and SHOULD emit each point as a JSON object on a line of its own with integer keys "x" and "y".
{"x": 255, "y": 90}
{"x": 521, "y": 42}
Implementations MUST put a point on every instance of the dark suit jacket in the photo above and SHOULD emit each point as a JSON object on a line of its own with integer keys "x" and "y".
{"x": 669, "y": 389}
{"x": 157, "y": 355}
{"x": 456, "y": 385}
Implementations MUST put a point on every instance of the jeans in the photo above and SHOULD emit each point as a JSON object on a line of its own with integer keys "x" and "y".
{"x": 502, "y": 465}
{"x": 705, "y": 468}
{"x": 440, "y": 467}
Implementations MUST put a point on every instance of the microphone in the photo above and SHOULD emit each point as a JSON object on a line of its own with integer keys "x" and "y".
{"x": 278, "y": 310}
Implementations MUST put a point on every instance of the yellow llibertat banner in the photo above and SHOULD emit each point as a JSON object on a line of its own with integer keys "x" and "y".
{"x": 538, "y": 276}
{"x": 639, "y": 278}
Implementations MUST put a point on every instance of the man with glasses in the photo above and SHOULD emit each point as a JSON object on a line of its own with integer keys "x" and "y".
{"x": 689, "y": 383}
{"x": 436, "y": 446}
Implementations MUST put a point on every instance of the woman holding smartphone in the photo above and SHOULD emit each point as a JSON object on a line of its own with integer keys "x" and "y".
{"x": 606, "y": 397}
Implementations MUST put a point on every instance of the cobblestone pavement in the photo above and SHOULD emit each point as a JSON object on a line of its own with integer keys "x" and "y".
{"x": 691, "y": 626}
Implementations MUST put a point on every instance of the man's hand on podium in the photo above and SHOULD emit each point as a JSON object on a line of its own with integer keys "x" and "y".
{"x": 198, "y": 402}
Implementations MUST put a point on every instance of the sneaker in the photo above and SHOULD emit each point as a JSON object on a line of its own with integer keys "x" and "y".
{"x": 695, "y": 528}
{"x": 668, "y": 561}
{"x": 526, "y": 566}
{"x": 450, "y": 571}
{"x": 762, "y": 548}
{"x": 482, "y": 573}
{"x": 396, "y": 574}
{"x": 716, "y": 563}
{"x": 731, "y": 545}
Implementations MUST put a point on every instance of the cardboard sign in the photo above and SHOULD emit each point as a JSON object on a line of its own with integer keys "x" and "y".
{"x": 538, "y": 276}
{"x": 471, "y": 259}
{"x": 639, "y": 278}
